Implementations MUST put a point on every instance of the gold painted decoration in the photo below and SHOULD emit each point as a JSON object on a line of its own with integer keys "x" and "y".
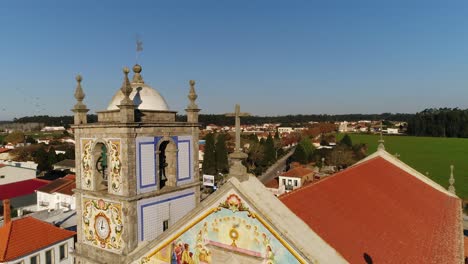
{"x": 102, "y": 223}
{"x": 86, "y": 164}
{"x": 228, "y": 227}
{"x": 115, "y": 165}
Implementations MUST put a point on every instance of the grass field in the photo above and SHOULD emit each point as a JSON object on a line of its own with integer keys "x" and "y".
{"x": 427, "y": 155}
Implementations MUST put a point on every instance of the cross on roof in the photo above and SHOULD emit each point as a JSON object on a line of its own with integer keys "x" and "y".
{"x": 237, "y": 114}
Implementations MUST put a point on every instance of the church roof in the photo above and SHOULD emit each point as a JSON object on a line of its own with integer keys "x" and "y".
{"x": 143, "y": 95}
{"x": 285, "y": 223}
{"x": 385, "y": 209}
{"x": 24, "y": 236}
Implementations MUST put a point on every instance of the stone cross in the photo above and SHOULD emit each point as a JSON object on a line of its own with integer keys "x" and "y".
{"x": 237, "y": 113}
{"x": 451, "y": 188}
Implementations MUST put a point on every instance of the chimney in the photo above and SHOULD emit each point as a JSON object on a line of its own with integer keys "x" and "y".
{"x": 6, "y": 211}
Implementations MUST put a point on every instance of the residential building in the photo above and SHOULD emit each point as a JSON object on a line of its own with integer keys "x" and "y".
{"x": 22, "y": 195}
{"x": 295, "y": 178}
{"x": 13, "y": 172}
{"x": 57, "y": 194}
{"x": 31, "y": 241}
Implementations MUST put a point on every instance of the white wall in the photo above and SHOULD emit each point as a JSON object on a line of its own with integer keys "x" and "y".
{"x": 56, "y": 252}
{"x": 54, "y": 201}
{"x": 153, "y": 211}
{"x": 294, "y": 181}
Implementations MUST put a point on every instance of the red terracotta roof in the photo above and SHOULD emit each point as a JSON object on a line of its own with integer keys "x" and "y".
{"x": 274, "y": 183}
{"x": 16, "y": 189}
{"x": 68, "y": 190}
{"x": 379, "y": 209}
{"x": 23, "y": 236}
{"x": 466, "y": 246}
{"x": 62, "y": 185}
{"x": 4, "y": 150}
{"x": 298, "y": 172}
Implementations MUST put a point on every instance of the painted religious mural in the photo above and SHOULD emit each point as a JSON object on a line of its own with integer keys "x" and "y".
{"x": 102, "y": 223}
{"x": 231, "y": 227}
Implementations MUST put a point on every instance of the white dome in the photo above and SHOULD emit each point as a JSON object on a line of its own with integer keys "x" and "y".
{"x": 144, "y": 97}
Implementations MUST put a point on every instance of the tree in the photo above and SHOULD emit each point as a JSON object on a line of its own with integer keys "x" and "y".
{"x": 221, "y": 154}
{"x": 308, "y": 147}
{"x": 31, "y": 140}
{"x": 209, "y": 157}
{"x": 346, "y": 141}
{"x": 41, "y": 158}
{"x": 270, "y": 151}
{"x": 300, "y": 155}
{"x": 15, "y": 137}
{"x": 51, "y": 157}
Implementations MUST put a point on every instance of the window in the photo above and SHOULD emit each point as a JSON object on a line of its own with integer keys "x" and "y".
{"x": 34, "y": 259}
{"x": 2, "y": 176}
{"x": 165, "y": 225}
{"x": 63, "y": 251}
{"x": 284, "y": 181}
{"x": 295, "y": 182}
{"x": 49, "y": 256}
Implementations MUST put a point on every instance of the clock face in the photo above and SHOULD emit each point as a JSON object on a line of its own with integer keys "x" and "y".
{"x": 102, "y": 226}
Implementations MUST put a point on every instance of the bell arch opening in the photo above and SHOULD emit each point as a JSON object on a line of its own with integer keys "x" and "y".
{"x": 167, "y": 164}
{"x": 101, "y": 172}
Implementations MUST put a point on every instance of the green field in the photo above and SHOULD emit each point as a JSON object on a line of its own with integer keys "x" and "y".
{"x": 427, "y": 155}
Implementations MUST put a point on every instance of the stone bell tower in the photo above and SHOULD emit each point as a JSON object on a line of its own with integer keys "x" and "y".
{"x": 137, "y": 170}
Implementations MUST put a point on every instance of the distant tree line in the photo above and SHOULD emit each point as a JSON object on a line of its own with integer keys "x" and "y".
{"x": 221, "y": 120}
{"x": 441, "y": 122}
{"x": 295, "y": 120}
{"x": 65, "y": 121}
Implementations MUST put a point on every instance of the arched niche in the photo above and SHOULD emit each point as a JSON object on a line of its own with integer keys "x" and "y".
{"x": 167, "y": 162}
{"x": 100, "y": 166}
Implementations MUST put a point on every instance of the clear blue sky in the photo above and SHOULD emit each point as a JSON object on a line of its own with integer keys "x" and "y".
{"x": 284, "y": 57}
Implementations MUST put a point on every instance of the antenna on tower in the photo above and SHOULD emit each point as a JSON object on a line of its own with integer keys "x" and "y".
{"x": 139, "y": 47}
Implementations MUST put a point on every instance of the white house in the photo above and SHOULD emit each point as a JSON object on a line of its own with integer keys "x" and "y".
{"x": 57, "y": 195}
{"x": 295, "y": 178}
{"x": 285, "y": 130}
{"x": 45, "y": 242}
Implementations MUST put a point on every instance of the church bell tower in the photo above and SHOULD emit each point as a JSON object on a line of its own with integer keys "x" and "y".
{"x": 137, "y": 170}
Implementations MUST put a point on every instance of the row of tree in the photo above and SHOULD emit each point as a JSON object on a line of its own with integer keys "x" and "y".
{"x": 221, "y": 120}
{"x": 261, "y": 153}
{"x": 342, "y": 155}
{"x": 44, "y": 156}
{"x": 442, "y": 122}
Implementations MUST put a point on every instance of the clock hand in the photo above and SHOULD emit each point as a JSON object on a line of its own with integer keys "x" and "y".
{"x": 102, "y": 225}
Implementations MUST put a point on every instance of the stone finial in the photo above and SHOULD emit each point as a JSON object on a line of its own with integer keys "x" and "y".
{"x": 79, "y": 94}
{"x": 381, "y": 140}
{"x": 137, "y": 78}
{"x": 126, "y": 88}
{"x": 451, "y": 188}
{"x": 192, "y": 96}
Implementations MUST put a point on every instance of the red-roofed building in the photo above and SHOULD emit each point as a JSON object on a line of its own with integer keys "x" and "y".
{"x": 17, "y": 189}
{"x": 28, "y": 240}
{"x": 57, "y": 194}
{"x": 383, "y": 210}
{"x": 295, "y": 177}
{"x": 22, "y": 194}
